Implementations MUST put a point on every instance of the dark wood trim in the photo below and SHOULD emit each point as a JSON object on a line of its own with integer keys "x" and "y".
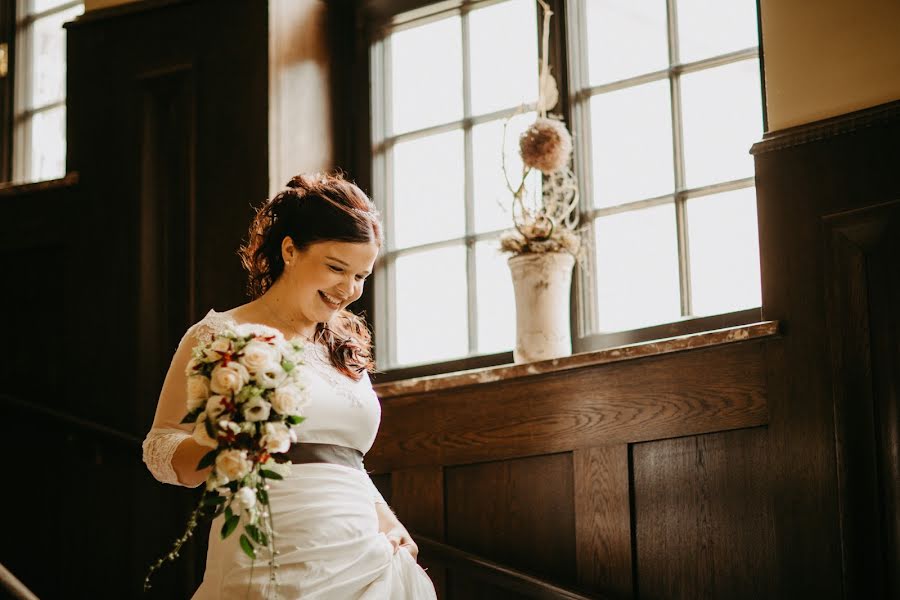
{"x": 15, "y": 190}
{"x": 576, "y": 361}
{"x": 496, "y": 574}
{"x": 603, "y": 531}
{"x": 807, "y": 133}
{"x": 685, "y": 393}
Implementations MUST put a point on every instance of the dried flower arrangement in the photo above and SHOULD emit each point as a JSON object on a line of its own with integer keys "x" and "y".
{"x": 547, "y": 222}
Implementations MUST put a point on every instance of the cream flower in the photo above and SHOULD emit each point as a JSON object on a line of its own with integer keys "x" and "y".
{"x": 229, "y": 379}
{"x": 276, "y": 437}
{"x": 271, "y": 378}
{"x": 260, "y": 331}
{"x": 216, "y": 405}
{"x": 246, "y": 496}
{"x": 197, "y": 391}
{"x": 256, "y": 409}
{"x": 200, "y": 435}
{"x": 290, "y": 399}
{"x": 260, "y": 356}
{"x": 233, "y": 464}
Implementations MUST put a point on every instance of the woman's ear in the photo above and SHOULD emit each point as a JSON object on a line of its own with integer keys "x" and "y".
{"x": 287, "y": 249}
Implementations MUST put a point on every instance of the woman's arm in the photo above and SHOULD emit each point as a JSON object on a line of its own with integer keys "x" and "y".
{"x": 169, "y": 451}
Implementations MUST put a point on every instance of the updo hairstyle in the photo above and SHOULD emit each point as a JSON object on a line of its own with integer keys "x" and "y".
{"x": 315, "y": 208}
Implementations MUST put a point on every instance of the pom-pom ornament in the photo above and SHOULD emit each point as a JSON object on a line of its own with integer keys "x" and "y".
{"x": 546, "y": 145}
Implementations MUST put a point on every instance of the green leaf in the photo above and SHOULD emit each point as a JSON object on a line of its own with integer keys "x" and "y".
{"x": 287, "y": 365}
{"x": 230, "y": 525}
{"x": 295, "y": 419}
{"x": 256, "y": 534}
{"x": 213, "y": 499}
{"x": 228, "y": 512}
{"x": 190, "y": 417}
{"x": 208, "y": 459}
{"x": 263, "y": 495}
{"x": 270, "y": 474}
{"x": 247, "y": 547}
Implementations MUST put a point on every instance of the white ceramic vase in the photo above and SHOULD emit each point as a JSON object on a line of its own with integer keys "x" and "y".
{"x": 541, "y": 282}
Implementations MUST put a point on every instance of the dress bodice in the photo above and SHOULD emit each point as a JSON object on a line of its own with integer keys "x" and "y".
{"x": 340, "y": 410}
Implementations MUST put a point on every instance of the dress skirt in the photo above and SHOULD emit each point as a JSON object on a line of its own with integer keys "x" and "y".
{"x": 330, "y": 548}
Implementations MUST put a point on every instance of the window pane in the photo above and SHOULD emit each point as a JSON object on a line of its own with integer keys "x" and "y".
{"x": 637, "y": 269}
{"x": 710, "y": 27}
{"x": 432, "y": 312}
{"x": 492, "y": 197}
{"x": 626, "y": 38}
{"x": 426, "y": 75}
{"x": 48, "y": 144}
{"x": 429, "y": 188}
{"x": 47, "y": 71}
{"x": 504, "y": 55}
{"x": 724, "y": 250}
{"x": 496, "y": 303}
{"x": 631, "y": 144}
{"x": 722, "y": 110}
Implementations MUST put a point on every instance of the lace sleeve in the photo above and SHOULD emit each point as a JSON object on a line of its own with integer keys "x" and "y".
{"x": 167, "y": 432}
{"x": 158, "y": 449}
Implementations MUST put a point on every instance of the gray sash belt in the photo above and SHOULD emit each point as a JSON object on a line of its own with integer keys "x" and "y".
{"x": 308, "y": 452}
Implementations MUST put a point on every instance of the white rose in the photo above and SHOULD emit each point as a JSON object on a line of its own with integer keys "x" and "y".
{"x": 216, "y": 405}
{"x": 276, "y": 437}
{"x": 260, "y": 331}
{"x": 289, "y": 399}
{"x": 200, "y": 435}
{"x": 256, "y": 409}
{"x": 229, "y": 379}
{"x": 271, "y": 378}
{"x": 197, "y": 391}
{"x": 233, "y": 464}
{"x": 247, "y": 497}
{"x": 259, "y": 356}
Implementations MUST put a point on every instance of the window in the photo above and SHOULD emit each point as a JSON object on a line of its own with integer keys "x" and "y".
{"x": 40, "y": 88}
{"x": 666, "y": 102}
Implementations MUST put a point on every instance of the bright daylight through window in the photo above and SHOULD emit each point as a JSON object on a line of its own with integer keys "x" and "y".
{"x": 666, "y": 102}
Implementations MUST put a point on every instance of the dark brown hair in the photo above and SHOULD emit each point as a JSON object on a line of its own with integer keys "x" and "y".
{"x": 315, "y": 208}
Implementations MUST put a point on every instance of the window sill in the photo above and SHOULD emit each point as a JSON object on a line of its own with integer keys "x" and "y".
{"x": 16, "y": 189}
{"x": 705, "y": 339}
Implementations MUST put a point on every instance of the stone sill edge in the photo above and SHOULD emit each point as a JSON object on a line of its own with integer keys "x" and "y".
{"x": 703, "y": 339}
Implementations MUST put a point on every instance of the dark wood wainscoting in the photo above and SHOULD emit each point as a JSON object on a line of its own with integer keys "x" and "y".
{"x": 829, "y": 220}
{"x": 642, "y": 477}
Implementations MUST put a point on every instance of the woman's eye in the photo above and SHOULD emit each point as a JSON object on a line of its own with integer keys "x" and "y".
{"x": 335, "y": 269}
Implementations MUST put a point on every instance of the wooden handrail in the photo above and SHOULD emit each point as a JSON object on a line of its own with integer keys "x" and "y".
{"x": 15, "y": 587}
{"x": 497, "y": 574}
{"x": 85, "y": 425}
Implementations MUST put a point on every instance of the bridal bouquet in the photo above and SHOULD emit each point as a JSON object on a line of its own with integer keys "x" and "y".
{"x": 244, "y": 391}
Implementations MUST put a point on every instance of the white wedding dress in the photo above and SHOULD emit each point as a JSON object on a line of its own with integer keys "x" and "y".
{"x": 323, "y": 513}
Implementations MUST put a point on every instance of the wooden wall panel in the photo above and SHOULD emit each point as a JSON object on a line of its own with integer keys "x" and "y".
{"x": 703, "y": 520}
{"x": 603, "y": 533}
{"x": 692, "y": 392}
{"x": 862, "y": 253}
{"x": 517, "y": 512}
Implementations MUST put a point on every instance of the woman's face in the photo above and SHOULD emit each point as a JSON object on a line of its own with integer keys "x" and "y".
{"x": 327, "y": 276}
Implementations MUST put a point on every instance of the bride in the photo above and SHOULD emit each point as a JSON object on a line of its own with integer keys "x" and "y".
{"x": 309, "y": 252}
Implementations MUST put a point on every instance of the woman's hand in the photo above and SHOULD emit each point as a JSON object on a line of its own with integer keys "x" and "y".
{"x": 394, "y": 530}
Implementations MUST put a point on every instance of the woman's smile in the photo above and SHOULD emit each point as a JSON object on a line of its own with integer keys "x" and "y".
{"x": 330, "y": 301}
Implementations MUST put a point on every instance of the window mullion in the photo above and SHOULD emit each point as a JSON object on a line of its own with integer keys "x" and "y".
{"x": 684, "y": 276}
{"x": 469, "y": 190}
